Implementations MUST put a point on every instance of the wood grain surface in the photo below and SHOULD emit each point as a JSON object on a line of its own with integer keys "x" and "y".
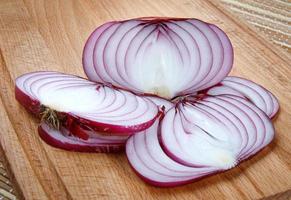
{"x": 272, "y": 18}
{"x": 49, "y": 35}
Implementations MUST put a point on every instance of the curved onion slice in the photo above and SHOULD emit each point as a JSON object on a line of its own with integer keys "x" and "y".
{"x": 167, "y": 57}
{"x": 216, "y": 131}
{"x": 96, "y": 143}
{"x": 199, "y": 139}
{"x": 99, "y": 107}
{"x": 258, "y": 95}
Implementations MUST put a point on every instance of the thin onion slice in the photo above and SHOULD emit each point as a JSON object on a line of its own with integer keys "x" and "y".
{"x": 97, "y": 106}
{"x": 63, "y": 139}
{"x": 258, "y": 95}
{"x": 166, "y": 57}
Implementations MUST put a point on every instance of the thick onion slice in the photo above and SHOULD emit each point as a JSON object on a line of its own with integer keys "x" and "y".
{"x": 63, "y": 139}
{"x": 85, "y": 103}
{"x": 198, "y": 139}
{"x": 166, "y": 57}
{"x": 258, "y": 95}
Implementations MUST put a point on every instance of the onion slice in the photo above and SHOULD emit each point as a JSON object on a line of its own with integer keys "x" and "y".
{"x": 196, "y": 139}
{"x": 207, "y": 132}
{"x": 257, "y": 94}
{"x": 89, "y": 104}
{"x": 63, "y": 139}
{"x": 166, "y": 57}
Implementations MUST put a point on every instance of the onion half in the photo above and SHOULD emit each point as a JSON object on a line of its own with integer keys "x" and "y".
{"x": 166, "y": 57}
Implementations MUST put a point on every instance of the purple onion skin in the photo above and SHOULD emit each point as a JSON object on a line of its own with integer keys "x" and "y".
{"x": 79, "y": 148}
{"x": 31, "y": 105}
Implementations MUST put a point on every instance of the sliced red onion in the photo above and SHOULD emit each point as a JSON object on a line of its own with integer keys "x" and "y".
{"x": 202, "y": 136}
{"x": 257, "y": 130}
{"x": 198, "y": 139}
{"x": 195, "y": 138}
{"x": 63, "y": 139}
{"x": 211, "y": 123}
{"x": 167, "y": 57}
{"x": 258, "y": 95}
{"x": 100, "y": 107}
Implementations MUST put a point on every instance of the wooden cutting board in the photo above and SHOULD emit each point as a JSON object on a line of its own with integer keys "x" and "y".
{"x": 49, "y": 35}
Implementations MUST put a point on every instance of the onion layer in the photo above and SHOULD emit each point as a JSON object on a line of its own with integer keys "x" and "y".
{"x": 258, "y": 95}
{"x": 63, "y": 139}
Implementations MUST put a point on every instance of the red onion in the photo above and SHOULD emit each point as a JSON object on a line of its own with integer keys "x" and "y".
{"x": 161, "y": 82}
{"x": 167, "y": 57}
{"x": 258, "y": 95}
{"x": 199, "y": 139}
{"x": 85, "y": 103}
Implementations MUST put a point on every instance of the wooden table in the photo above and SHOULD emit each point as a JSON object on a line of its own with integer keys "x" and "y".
{"x": 49, "y": 35}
